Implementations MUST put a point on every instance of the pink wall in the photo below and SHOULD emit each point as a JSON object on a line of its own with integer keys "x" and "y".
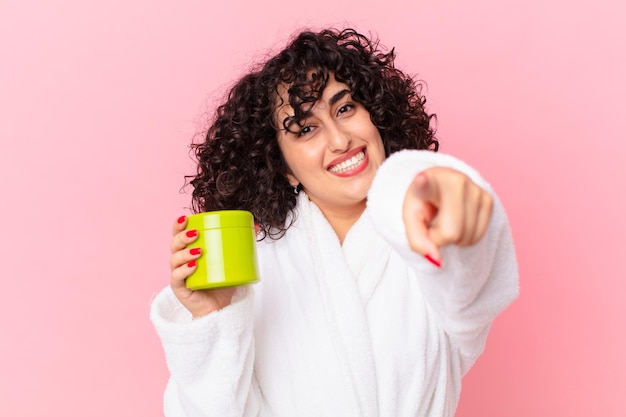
{"x": 99, "y": 102}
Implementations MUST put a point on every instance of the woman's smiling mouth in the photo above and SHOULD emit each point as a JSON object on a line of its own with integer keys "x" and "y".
{"x": 350, "y": 166}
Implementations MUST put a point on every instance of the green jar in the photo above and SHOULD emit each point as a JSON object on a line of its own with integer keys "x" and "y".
{"x": 228, "y": 242}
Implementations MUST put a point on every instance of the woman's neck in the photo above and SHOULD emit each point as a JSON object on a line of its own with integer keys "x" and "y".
{"x": 342, "y": 219}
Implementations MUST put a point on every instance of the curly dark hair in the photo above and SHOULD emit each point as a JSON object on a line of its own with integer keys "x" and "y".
{"x": 240, "y": 165}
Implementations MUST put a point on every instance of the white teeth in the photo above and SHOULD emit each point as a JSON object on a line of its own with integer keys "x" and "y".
{"x": 348, "y": 164}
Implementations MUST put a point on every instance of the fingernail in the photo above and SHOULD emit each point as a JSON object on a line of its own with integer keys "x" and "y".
{"x": 191, "y": 264}
{"x": 195, "y": 251}
{"x": 433, "y": 261}
{"x": 192, "y": 233}
{"x": 181, "y": 219}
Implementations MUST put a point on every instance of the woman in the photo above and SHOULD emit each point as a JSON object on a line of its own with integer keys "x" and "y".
{"x": 382, "y": 262}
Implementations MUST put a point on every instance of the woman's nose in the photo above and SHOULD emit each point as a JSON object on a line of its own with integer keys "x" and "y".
{"x": 338, "y": 139}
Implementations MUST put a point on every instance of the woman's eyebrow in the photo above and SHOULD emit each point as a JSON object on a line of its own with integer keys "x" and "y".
{"x": 338, "y": 96}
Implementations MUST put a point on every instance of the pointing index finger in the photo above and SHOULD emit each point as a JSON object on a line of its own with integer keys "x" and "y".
{"x": 418, "y": 211}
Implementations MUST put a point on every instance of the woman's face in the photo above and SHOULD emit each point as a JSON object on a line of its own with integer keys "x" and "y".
{"x": 335, "y": 153}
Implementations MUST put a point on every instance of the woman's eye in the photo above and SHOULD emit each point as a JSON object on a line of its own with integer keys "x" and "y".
{"x": 305, "y": 130}
{"x": 345, "y": 108}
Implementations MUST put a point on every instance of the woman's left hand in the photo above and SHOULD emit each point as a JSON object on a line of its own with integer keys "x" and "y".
{"x": 441, "y": 207}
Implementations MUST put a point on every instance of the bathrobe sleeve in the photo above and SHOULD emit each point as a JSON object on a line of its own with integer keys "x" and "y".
{"x": 474, "y": 283}
{"x": 210, "y": 359}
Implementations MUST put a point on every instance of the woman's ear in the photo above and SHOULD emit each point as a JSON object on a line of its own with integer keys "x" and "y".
{"x": 293, "y": 181}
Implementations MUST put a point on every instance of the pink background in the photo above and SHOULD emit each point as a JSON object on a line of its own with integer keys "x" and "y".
{"x": 99, "y": 102}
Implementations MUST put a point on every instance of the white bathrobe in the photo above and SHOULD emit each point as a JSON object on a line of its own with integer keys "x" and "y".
{"x": 365, "y": 329}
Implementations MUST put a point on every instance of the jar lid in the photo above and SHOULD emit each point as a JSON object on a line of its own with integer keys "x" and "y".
{"x": 220, "y": 219}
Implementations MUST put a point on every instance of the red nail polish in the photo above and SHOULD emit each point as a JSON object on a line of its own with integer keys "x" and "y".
{"x": 192, "y": 233}
{"x": 433, "y": 261}
{"x": 191, "y": 264}
{"x": 181, "y": 219}
{"x": 195, "y": 251}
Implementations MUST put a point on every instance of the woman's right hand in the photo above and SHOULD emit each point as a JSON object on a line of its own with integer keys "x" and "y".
{"x": 182, "y": 264}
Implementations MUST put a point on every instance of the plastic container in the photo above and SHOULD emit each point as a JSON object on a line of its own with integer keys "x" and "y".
{"x": 228, "y": 242}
